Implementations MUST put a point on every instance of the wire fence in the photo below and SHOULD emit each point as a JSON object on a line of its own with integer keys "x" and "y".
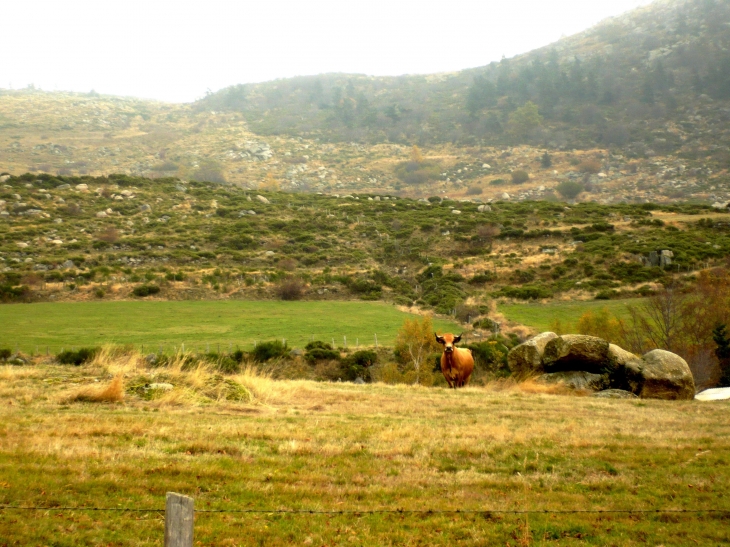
{"x": 356, "y": 512}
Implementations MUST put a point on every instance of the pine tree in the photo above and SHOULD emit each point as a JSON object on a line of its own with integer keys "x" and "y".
{"x": 546, "y": 161}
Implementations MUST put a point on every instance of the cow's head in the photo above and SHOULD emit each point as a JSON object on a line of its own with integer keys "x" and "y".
{"x": 448, "y": 340}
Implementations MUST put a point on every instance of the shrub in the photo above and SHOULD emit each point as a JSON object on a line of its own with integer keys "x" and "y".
{"x": 320, "y": 351}
{"x": 519, "y": 176}
{"x": 569, "y": 189}
{"x": 290, "y": 288}
{"x": 5, "y": 354}
{"x": 474, "y": 190}
{"x": 266, "y": 351}
{"x": 589, "y": 166}
{"x": 491, "y": 356}
{"x": 145, "y": 290}
{"x": 358, "y": 365}
{"x": 78, "y": 357}
{"x": 496, "y": 182}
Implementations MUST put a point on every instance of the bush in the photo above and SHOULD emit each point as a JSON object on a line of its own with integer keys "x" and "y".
{"x": 145, "y": 290}
{"x": 569, "y": 189}
{"x": 358, "y": 365}
{"x": 79, "y": 357}
{"x": 496, "y": 182}
{"x": 589, "y": 166}
{"x": 491, "y": 355}
{"x": 290, "y": 289}
{"x": 266, "y": 351}
{"x": 5, "y": 354}
{"x": 519, "y": 176}
{"x": 320, "y": 351}
{"x": 474, "y": 190}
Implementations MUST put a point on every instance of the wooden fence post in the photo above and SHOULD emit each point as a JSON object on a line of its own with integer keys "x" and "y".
{"x": 179, "y": 515}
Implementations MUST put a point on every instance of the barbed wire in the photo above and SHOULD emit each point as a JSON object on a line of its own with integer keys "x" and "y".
{"x": 378, "y": 511}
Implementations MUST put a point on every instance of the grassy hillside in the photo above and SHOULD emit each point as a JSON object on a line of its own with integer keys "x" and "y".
{"x": 198, "y": 325}
{"x": 342, "y": 447}
{"x": 118, "y": 237}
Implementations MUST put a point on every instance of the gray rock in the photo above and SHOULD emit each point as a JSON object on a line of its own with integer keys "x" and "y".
{"x": 575, "y": 379}
{"x": 4, "y": 178}
{"x": 151, "y": 358}
{"x": 621, "y": 366}
{"x": 359, "y": 380}
{"x": 63, "y": 187}
{"x": 68, "y": 264}
{"x": 526, "y": 359}
{"x": 262, "y": 199}
{"x": 576, "y": 352}
{"x": 144, "y": 208}
{"x": 663, "y": 375}
{"x": 161, "y": 386}
{"x": 614, "y": 394}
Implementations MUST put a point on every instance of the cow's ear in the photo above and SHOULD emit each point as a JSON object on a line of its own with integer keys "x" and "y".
{"x": 438, "y": 338}
{"x": 457, "y": 339}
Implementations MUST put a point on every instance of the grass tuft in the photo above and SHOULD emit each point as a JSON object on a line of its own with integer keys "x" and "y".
{"x": 112, "y": 393}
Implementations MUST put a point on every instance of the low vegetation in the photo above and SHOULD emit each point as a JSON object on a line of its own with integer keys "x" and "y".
{"x": 338, "y": 446}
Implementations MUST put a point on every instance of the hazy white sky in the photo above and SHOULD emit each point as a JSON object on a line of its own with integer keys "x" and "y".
{"x": 176, "y": 50}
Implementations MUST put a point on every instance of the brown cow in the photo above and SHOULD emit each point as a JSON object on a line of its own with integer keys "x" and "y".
{"x": 456, "y": 363}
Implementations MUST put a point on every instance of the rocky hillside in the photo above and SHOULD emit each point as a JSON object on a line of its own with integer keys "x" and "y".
{"x": 633, "y": 110}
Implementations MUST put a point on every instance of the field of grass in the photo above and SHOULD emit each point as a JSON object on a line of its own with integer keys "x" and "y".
{"x": 197, "y": 324}
{"x": 539, "y": 316}
{"x": 324, "y": 446}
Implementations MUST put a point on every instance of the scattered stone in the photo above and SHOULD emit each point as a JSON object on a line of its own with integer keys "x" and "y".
{"x": 262, "y": 199}
{"x": 614, "y": 394}
{"x": 145, "y": 208}
{"x": 82, "y": 187}
{"x": 68, "y": 264}
{"x": 484, "y": 209}
{"x": 359, "y": 380}
{"x": 4, "y": 178}
{"x": 151, "y": 358}
{"x": 159, "y": 386}
{"x": 63, "y": 187}
{"x": 455, "y": 212}
{"x": 57, "y": 241}
{"x": 101, "y": 214}
{"x": 22, "y": 244}
{"x": 269, "y": 253}
{"x": 504, "y": 195}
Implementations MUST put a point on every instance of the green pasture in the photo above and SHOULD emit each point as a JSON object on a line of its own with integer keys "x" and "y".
{"x": 540, "y": 316}
{"x": 197, "y": 324}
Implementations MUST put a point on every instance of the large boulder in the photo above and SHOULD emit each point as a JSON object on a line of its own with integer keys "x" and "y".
{"x": 575, "y": 379}
{"x": 526, "y": 359}
{"x": 662, "y": 375}
{"x": 576, "y": 352}
{"x": 621, "y": 366}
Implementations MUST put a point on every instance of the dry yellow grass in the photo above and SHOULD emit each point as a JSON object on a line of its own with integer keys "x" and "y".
{"x": 111, "y": 393}
{"x": 309, "y": 445}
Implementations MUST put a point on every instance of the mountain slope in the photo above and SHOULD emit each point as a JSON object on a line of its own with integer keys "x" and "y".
{"x": 617, "y": 83}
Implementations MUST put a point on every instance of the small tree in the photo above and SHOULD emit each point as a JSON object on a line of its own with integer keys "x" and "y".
{"x": 519, "y": 176}
{"x": 601, "y": 324}
{"x": 414, "y": 342}
{"x": 569, "y": 189}
{"x": 524, "y": 120}
{"x": 719, "y": 335}
{"x": 546, "y": 161}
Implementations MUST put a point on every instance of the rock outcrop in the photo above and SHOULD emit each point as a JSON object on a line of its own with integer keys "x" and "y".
{"x": 663, "y": 375}
{"x": 526, "y": 359}
{"x": 590, "y": 363}
{"x": 576, "y": 352}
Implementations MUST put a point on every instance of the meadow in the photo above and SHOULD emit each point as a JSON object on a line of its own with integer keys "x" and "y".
{"x": 540, "y": 316}
{"x": 344, "y": 447}
{"x": 198, "y": 324}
